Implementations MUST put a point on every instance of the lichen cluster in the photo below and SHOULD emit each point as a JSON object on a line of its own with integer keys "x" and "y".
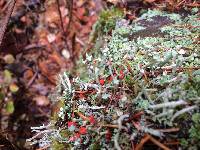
{"x": 145, "y": 76}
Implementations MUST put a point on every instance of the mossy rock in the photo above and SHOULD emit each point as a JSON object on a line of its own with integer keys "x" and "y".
{"x": 148, "y": 68}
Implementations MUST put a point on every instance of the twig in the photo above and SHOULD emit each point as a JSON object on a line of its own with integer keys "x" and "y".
{"x": 5, "y": 21}
{"x": 62, "y": 26}
{"x": 110, "y": 126}
{"x": 158, "y": 143}
{"x": 82, "y": 116}
{"x": 32, "y": 79}
{"x": 33, "y": 46}
{"x": 142, "y": 142}
{"x": 70, "y": 8}
{"x": 80, "y": 41}
{"x": 73, "y": 43}
{"x": 193, "y": 4}
{"x": 167, "y": 143}
{"x": 172, "y": 143}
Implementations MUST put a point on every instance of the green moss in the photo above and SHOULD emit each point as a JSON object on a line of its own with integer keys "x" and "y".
{"x": 107, "y": 19}
{"x": 106, "y": 22}
{"x": 192, "y": 142}
{"x": 59, "y": 146}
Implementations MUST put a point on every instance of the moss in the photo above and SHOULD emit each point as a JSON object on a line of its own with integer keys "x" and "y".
{"x": 106, "y": 22}
{"x": 58, "y": 146}
{"x": 192, "y": 142}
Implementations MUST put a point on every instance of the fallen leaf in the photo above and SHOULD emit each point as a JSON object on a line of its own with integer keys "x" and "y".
{"x": 55, "y": 57}
{"x": 28, "y": 74}
{"x": 49, "y": 69}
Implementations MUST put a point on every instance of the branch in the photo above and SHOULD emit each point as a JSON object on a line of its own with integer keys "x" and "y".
{"x": 3, "y": 25}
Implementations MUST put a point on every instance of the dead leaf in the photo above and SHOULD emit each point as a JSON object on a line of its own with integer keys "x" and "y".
{"x": 49, "y": 69}
{"x": 55, "y": 57}
{"x": 28, "y": 74}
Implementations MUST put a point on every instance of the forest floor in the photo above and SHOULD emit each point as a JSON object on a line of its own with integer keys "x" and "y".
{"x": 44, "y": 38}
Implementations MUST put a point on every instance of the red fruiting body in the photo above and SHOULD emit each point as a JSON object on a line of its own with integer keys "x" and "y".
{"x": 109, "y": 79}
{"x": 102, "y": 82}
{"x": 74, "y": 138}
{"x": 121, "y": 76}
{"x": 82, "y": 130}
{"x": 108, "y": 135}
{"x": 77, "y": 135}
{"x": 81, "y": 96}
{"x": 92, "y": 120}
{"x": 71, "y": 123}
{"x": 138, "y": 115}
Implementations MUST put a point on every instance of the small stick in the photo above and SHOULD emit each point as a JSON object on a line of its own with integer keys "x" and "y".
{"x": 82, "y": 116}
{"x": 62, "y": 26}
{"x": 70, "y": 8}
{"x": 32, "y": 79}
{"x": 193, "y": 4}
{"x": 156, "y": 142}
{"x": 110, "y": 126}
{"x": 142, "y": 142}
{"x": 167, "y": 143}
{"x": 172, "y": 143}
{"x": 10, "y": 7}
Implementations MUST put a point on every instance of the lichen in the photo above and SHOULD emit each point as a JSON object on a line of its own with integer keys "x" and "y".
{"x": 141, "y": 75}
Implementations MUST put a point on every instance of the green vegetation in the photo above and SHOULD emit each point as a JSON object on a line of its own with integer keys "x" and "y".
{"x": 192, "y": 142}
{"x": 106, "y": 22}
